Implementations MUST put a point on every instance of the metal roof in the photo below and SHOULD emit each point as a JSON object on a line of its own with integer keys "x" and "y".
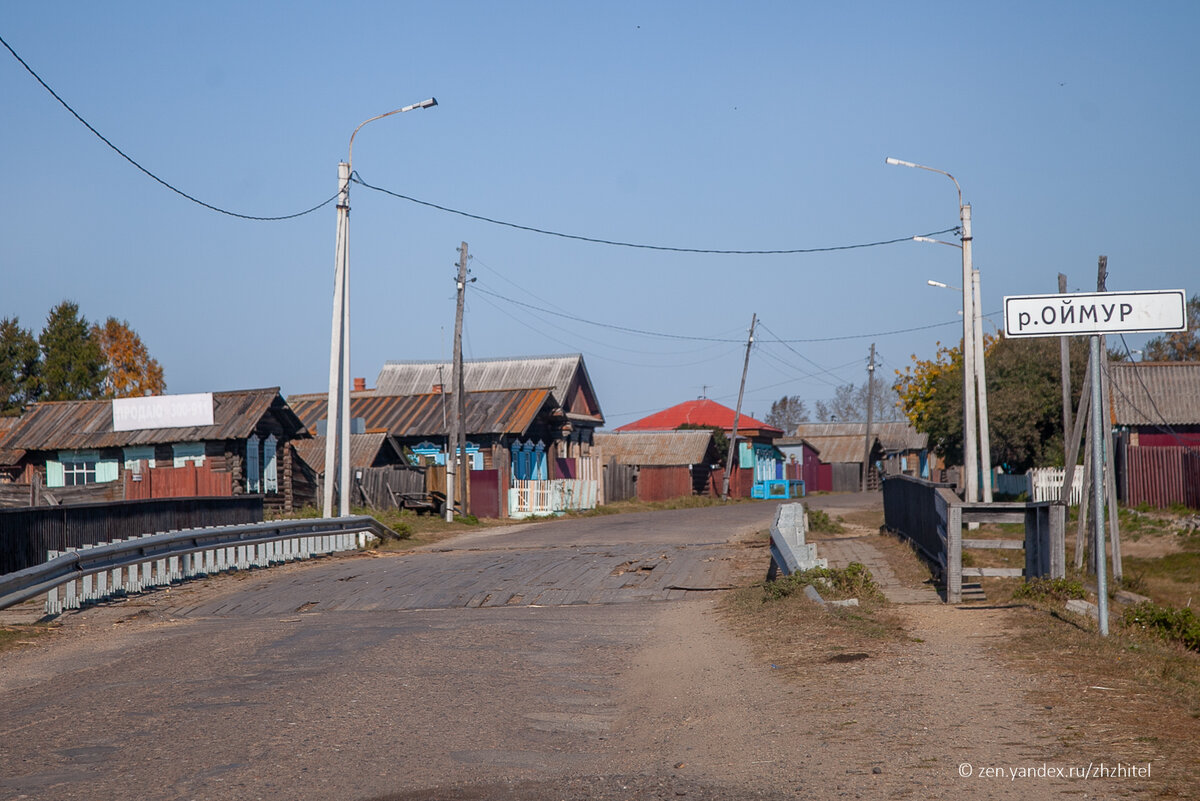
{"x": 894, "y": 436}
{"x": 702, "y": 412}
{"x": 564, "y": 374}
{"x": 89, "y": 424}
{"x": 509, "y": 411}
{"x": 9, "y": 456}
{"x": 655, "y": 447}
{"x": 364, "y": 450}
{"x": 1155, "y": 393}
{"x": 836, "y": 450}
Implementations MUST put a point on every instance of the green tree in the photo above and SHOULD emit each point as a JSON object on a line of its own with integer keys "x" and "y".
{"x": 786, "y": 413}
{"x": 1024, "y": 384}
{"x": 129, "y": 370}
{"x": 19, "y": 368}
{"x": 72, "y": 361}
{"x": 1178, "y": 346}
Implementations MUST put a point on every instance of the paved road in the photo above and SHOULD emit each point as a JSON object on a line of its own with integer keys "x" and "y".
{"x": 577, "y": 657}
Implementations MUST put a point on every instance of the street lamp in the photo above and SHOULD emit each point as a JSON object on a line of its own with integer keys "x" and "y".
{"x": 973, "y": 378}
{"x": 337, "y": 417}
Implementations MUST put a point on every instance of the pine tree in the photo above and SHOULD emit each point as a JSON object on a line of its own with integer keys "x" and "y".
{"x": 72, "y": 361}
{"x": 19, "y": 367}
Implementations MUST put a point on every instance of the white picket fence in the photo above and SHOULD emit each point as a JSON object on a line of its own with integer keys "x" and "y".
{"x": 1042, "y": 484}
{"x": 530, "y": 498}
{"x": 137, "y": 578}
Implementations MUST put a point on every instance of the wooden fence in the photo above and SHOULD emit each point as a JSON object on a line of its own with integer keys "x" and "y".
{"x": 382, "y": 487}
{"x": 620, "y": 481}
{"x": 529, "y": 498}
{"x": 23, "y": 495}
{"x": 188, "y": 481}
{"x": 27, "y": 534}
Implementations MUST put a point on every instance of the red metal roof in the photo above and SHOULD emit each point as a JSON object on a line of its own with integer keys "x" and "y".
{"x": 701, "y": 412}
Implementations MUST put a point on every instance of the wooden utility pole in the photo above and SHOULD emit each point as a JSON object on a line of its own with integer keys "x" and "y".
{"x": 866, "y": 470}
{"x": 737, "y": 413}
{"x": 1065, "y": 360}
{"x": 456, "y": 478}
{"x": 1104, "y": 417}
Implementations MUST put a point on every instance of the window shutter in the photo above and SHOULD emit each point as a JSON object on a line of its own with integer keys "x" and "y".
{"x": 107, "y": 470}
{"x": 54, "y": 473}
{"x": 253, "y": 474}
{"x": 270, "y": 472}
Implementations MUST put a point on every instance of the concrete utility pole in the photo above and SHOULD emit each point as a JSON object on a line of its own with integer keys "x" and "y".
{"x": 457, "y": 435}
{"x": 985, "y": 444}
{"x": 870, "y": 414}
{"x": 737, "y": 413}
{"x": 337, "y": 410}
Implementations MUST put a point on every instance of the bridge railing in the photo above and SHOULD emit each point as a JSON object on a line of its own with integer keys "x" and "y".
{"x": 931, "y": 516}
{"x": 116, "y": 568}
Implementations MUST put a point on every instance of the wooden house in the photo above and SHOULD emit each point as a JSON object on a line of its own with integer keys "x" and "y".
{"x": 241, "y": 443}
{"x": 896, "y": 449}
{"x": 757, "y": 459}
{"x": 657, "y": 465}
{"x": 1156, "y": 415}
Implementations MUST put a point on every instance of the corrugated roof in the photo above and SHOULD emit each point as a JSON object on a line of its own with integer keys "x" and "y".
{"x": 558, "y": 373}
{"x": 509, "y": 411}
{"x": 702, "y": 412}
{"x": 895, "y": 436}
{"x": 364, "y": 449}
{"x": 1155, "y": 393}
{"x": 89, "y": 424}
{"x": 655, "y": 447}
{"x": 836, "y": 450}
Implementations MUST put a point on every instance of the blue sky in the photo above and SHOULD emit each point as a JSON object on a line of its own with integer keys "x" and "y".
{"x": 748, "y": 126}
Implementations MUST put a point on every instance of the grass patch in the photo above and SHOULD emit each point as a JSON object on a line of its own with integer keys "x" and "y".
{"x": 1047, "y": 589}
{"x": 1174, "y": 625}
{"x": 853, "y": 581}
{"x": 19, "y": 636}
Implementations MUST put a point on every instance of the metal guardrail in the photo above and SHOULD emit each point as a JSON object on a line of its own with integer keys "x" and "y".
{"x": 162, "y": 552}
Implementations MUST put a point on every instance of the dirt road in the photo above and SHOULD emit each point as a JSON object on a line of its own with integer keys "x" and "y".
{"x": 439, "y": 675}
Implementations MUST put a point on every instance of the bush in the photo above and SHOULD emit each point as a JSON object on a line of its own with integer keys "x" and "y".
{"x": 820, "y": 521}
{"x": 1177, "y": 625}
{"x": 1046, "y": 589}
{"x": 852, "y": 581}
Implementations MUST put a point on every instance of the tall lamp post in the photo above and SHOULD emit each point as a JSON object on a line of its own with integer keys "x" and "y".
{"x": 971, "y": 351}
{"x": 337, "y": 417}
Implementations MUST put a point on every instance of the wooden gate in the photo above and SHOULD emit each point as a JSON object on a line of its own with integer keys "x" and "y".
{"x": 189, "y": 481}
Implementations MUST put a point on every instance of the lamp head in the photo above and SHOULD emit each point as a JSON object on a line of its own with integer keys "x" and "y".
{"x": 899, "y": 163}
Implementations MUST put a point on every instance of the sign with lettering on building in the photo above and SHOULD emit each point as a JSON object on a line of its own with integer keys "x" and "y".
{"x": 163, "y": 411}
{"x": 1086, "y": 313}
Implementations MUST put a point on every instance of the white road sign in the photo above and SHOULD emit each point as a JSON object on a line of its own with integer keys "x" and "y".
{"x": 1095, "y": 313}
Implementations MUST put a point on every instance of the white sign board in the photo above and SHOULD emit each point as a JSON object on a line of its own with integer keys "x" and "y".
{"x": 1094, "y": 313}
{"x": 163, "y": 411}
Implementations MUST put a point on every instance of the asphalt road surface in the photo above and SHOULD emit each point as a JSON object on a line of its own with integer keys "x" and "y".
{"x": 571, "y": 659}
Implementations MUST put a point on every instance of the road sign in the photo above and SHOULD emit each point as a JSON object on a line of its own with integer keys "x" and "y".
{"x": 1095, "y": 313}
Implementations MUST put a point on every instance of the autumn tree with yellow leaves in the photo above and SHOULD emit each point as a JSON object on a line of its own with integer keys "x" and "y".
{"x": 1024, "y": 384}
{"x": 131, "y": 370}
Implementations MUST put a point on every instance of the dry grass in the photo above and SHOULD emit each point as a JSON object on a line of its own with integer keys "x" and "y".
{"x": 1126, "y": 694}
{"x": 14, "y": 636}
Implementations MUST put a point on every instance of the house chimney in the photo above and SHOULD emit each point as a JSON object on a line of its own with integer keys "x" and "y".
{"x": 437, "y": 389}
{"x": 360, "y": 385}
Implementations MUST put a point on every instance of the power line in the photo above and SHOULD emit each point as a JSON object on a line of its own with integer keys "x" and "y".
{"x": 357, "y": 178}
{"x": 147, "y": 172}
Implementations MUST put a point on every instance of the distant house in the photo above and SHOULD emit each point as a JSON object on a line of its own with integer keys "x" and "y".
{"x": 1156, "y": 414}
{"x": 757, "y": 460}
{"x": 658, "y": 465}
{"x": 802, "y": 461}
{"x": 246, "y": 449}
{"x": 896, "y": 449}
{"x": 539, "y": 430}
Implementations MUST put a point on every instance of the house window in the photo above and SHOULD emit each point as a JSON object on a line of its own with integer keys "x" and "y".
{"x": 188, "y": 452}
{"x": 76, "y": 468}
{"x": 270, "y": 471}
{"x": 253, "y": 473}
{"x": 141, "y": 453}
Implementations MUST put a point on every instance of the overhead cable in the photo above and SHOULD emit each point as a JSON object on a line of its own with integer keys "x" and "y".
{"x": 357, "y": 178}
{"x": 130, "y": 159}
